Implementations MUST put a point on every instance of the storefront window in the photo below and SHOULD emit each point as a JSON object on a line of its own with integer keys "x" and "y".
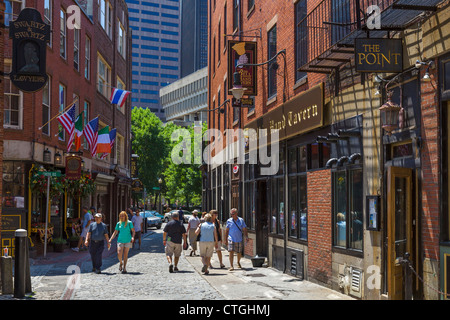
{"x": 348, "y": 209}
{"x": 280, "y": 207}
{"x": 293, "y": 209}
{"x": 13, "y": 184}
{"x": 356, "y": 209}
{"x": 303, "y": 208}
{"x": 339, "y": 206}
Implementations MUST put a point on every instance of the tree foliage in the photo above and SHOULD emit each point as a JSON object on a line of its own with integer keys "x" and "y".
{"x": 152, "y": 142}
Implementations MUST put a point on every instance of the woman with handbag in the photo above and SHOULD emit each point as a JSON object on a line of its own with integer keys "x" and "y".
{"x": 125, "y": 240}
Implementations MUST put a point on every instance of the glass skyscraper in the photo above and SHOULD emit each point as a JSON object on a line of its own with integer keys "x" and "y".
{"x": 156, "y": 38}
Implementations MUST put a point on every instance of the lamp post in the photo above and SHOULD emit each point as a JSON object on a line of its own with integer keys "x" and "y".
{"x": 160, "y": 202}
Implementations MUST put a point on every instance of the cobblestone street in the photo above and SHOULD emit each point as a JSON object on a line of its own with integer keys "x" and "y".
{"x": 148, "y": 278}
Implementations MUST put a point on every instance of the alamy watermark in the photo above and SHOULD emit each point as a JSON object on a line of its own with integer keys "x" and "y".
{"x": 238, "y": 142}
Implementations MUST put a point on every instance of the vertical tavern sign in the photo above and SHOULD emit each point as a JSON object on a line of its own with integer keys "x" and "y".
{"x": 30, "y": 36}
{"x": 241, "y": 53}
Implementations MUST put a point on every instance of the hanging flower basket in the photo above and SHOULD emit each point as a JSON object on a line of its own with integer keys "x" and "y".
{"x": 82, "y": 187}
{"x": 38, "y": 183}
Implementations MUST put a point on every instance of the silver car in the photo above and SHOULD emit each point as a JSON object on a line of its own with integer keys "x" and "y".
{"x": 152, "y": 220}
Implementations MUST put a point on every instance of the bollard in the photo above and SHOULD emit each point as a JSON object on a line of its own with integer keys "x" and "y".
{"x": 20, "y": 263}
{"x": 7, "y": 275}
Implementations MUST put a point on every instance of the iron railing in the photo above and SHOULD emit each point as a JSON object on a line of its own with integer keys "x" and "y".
{"x": 331, "y": 21}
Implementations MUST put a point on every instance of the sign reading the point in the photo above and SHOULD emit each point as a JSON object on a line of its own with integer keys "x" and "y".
{"x": 378, "y": 55}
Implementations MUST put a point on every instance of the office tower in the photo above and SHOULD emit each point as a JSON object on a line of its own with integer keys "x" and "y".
{"x": 194, "y": 36}
{"x": 155, "y": 50}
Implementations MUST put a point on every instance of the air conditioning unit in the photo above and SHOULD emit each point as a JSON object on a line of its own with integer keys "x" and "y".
{"x": 356, "y": 283}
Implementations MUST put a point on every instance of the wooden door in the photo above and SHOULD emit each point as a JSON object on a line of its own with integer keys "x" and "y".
{"x": 399, "y": 225}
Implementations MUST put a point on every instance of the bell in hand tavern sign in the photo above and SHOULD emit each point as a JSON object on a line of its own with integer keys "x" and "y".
{"x": 30, "y": 36}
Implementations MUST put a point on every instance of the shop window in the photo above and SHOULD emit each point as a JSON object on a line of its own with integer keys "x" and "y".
{"x": 293, "y": 207}
{"x": 447, "y": 76}
{"x": 348, "y": 209}
{"x": 271, "y": 52}
{"x": 281, "y": 209}
{"x": 13, "y": 184}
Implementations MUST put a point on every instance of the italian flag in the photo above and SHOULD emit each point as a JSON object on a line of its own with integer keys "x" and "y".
{"x": 78, "y": 131}
{"x": 103, "y": 142}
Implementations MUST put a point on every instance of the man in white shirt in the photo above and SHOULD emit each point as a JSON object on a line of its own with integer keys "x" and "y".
{"x": 137, "y": 221}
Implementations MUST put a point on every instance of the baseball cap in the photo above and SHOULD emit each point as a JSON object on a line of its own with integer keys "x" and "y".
{"x": 98, "y": 215}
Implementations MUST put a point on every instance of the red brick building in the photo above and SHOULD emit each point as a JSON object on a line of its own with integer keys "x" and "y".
{"x": 83, "y": 64}
{"x": 348, "y": 199}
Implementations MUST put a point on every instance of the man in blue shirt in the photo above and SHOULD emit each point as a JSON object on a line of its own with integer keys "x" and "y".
{"x": 236, "y": 230}
{"x": 97, "y": 234}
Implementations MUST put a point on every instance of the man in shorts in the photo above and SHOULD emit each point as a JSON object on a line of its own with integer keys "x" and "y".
{"x": 87, "y": 219}
{"x": 234, "y": 237}
{"x": 173, "y": 236}
{"x": 137, "y": 223}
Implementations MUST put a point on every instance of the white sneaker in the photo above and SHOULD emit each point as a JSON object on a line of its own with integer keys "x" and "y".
{"x": 75, "y": 249}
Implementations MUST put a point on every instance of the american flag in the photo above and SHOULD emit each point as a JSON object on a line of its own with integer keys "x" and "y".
{"x": 91, "y": 134}
{"x": 112, "y": 137}
{"x": 67, "y": 120}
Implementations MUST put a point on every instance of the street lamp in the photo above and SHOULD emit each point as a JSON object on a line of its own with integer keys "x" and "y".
{"x": 58, "y": 159}
{"x": 237, "y": 91}
{"x": 160, "y": 200}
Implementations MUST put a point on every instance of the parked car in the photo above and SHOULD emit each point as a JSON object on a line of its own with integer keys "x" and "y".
{"x": 186, "y": 215}
{"x": 157, "y": 214}
{"x": 152, "y": 220}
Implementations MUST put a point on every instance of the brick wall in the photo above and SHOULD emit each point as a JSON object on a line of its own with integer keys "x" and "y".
{"x": 264, "y": 14}
{"x": 430, "y": 165}
{"x": 2, "y": 48}
{"x": 319, "y": 227}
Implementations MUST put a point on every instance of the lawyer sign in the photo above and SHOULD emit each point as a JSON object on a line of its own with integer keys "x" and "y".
{"x": 30, "y": 36}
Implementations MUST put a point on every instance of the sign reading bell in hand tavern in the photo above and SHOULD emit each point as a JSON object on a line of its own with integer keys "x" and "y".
{"x": 241, "y": 53}
{"x": 30, "y": 36}
{"x": 378, "y": 55}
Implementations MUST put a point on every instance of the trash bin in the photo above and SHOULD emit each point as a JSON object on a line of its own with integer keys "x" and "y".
{"x": 258, "y": 262}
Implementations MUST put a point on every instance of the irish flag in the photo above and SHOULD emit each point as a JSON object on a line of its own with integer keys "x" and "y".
{"x": 78, "y": 131}
{"x": 103, "y": 142}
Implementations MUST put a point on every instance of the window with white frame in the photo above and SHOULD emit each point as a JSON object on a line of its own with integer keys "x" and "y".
{"x": 62, "y": 104}
{"x": 48, "y": 11}
{"x": 63, "y": 38}
{"x": 86, "y": 120}
{"x": 12, "y": 117}
{"x": 120, "y": 150}
{"x": 105, "y": 16}
{"x": 12, "y": 10}
{"x": 46, "y": 94}
{"x": 76, "y": 49}
{"x": 122, "y": 41}
{"x": 103, "y": 77}
{"x": 87, "y": 59}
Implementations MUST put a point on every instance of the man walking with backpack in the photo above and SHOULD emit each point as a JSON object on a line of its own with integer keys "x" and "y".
{"x": 234, "y": 237}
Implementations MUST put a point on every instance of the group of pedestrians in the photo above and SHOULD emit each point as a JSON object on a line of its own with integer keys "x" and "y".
{"x": 95, "y": 233}
{"x": 206, "y": 230}
{"x": 208, "y": 233}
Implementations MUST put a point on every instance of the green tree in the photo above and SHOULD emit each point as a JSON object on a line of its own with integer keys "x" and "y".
{"x": 149, "y": 144}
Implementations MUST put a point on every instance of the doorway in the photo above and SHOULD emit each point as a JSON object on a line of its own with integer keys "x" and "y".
{"x": 399, "y": 226}
{"x": 262, "y": 219}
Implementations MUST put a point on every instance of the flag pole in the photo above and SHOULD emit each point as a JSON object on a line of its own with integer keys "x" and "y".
{"x": 61, "y": 112}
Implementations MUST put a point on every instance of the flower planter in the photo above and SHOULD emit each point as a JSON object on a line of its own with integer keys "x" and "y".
{"x": 58, "y": 247}
{"x": 258, "y": 262}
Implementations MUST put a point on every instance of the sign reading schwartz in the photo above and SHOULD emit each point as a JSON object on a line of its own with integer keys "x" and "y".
{"x": 378, "y": 55}
{"x": 301, "y": 114}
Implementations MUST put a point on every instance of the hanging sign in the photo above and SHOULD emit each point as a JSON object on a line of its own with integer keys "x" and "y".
{"x": 30, "y": 36}
{"x": 241, "y": 53}
{"x": 378, "y": 55}
{"x": 73, "y": 168}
